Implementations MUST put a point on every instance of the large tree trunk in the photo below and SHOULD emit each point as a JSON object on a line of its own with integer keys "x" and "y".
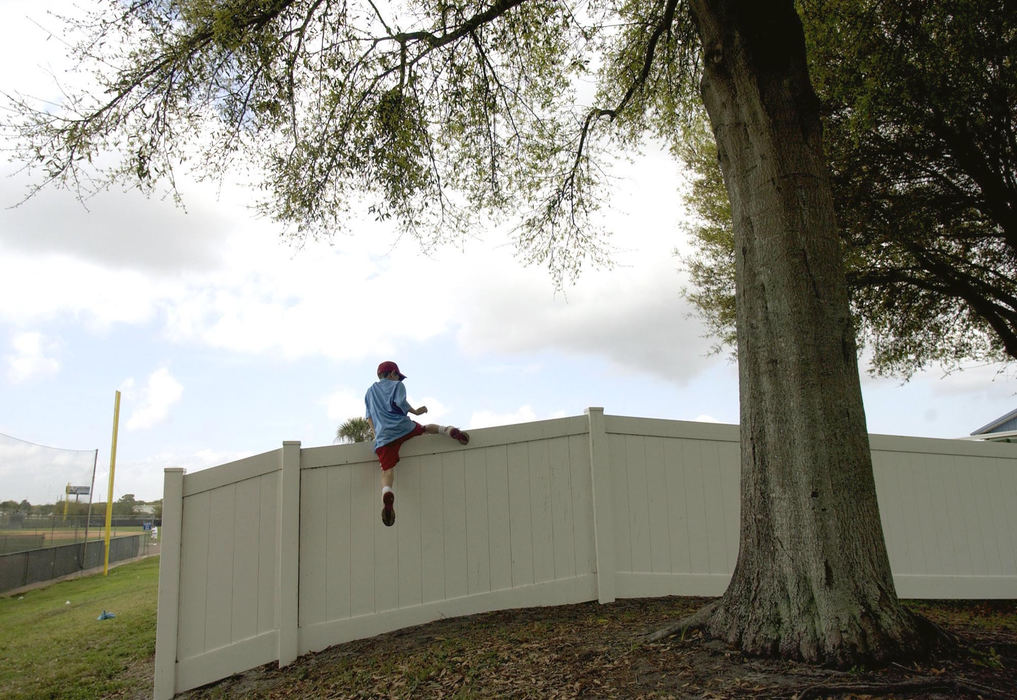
{"x": 813, "y": 579}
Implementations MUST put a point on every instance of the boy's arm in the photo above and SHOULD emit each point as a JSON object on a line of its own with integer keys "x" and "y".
{"x": 399, "y": 400}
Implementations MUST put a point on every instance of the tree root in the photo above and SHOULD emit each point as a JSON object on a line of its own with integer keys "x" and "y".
{"x": 935, "y": 636}
{"x": 943, "y": 638}
{"x": 695, "y": 621}
{"x": 922, "y": 685}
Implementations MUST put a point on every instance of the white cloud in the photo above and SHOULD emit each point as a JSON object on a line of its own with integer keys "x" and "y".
{"x": 486, "y": 418}
{"x": 343, "y": 404}
{"x": 114, "y": 229}
{"x": 436, "y": 410}
{"x": 633, "y": 316}
{"x": 144, "y": 476}
{"x": 161, "y": 391}
{"x": 524, "y": 414}
{"x": 40, "y": 287}
{"x": 29, "y": 358}
{"x": 342, "y": 303}
{"x": 989, "y": 381}
{"x": 514, "y": 369}
{"x": 993, "y": 381}
{"x": 217, "y": 277}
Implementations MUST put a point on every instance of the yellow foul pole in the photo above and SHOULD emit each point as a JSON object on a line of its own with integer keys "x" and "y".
{"x": 112, "y": 469}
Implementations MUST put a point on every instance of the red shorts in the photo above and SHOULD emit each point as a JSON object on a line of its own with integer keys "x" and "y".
{"x": 388, "y": 454}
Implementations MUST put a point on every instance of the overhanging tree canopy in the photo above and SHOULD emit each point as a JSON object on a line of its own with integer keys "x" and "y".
{"x": 436, "y": 109}
{"x": 920, "y": 116}
{"x": 427, "y": 112}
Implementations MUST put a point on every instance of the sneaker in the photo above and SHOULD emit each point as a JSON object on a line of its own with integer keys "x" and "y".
{"x": 457, "y": 434}
{"x": 388, "y": 512}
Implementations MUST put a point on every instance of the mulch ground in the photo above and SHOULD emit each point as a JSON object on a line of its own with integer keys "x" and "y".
{"x": 599, "y": 651}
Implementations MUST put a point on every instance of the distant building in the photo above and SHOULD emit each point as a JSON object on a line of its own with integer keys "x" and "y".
{"x": 1003, "y": 429}
{"x": 144, "y": 509}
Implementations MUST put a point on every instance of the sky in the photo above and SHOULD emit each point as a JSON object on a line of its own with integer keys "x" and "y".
{"x": 225, "y": 340}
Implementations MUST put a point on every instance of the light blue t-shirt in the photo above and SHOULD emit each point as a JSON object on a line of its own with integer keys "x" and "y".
{"x": 387, "y": 408}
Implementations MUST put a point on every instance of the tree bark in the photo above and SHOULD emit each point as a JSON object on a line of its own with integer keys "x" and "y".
{"x": 813, "y": 580}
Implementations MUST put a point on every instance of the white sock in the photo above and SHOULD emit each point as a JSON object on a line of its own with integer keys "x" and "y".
{"x": 385, "y": 489}
{"x": 445, "y": 430}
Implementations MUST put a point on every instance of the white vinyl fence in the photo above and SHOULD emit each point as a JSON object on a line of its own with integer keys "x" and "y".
{"x": 284, "y": 553}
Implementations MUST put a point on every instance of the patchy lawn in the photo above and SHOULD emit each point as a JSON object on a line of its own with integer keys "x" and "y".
{"x": 589, "y": 650}
{"x": 52, "y": 644}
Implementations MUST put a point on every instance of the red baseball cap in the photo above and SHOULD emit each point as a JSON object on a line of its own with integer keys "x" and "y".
{"x": 389, "y": 366}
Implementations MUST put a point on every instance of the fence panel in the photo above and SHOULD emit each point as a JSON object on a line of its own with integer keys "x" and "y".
{"x": 676, "y": 506}
{"x": 283, "y": 553}
{"x": 477, "y": 528}
{"x": 226, "y": 620}
{"x": 949, "y": 512}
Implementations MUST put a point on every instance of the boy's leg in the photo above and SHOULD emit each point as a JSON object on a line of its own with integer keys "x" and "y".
{"x": 388, "y": 456}
{"x": 388, "y": 506}
{"x": 453, "y": 432}
{"x": 387, "y": 497}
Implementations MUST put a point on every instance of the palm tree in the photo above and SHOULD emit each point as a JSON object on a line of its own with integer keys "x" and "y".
{"x": 354, "y": 430}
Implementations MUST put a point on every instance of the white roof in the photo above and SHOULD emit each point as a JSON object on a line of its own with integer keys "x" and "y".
{"x": 987, "y": 428}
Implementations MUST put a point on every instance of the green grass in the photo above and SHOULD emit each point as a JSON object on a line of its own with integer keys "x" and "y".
{"x": 54, "y": 650}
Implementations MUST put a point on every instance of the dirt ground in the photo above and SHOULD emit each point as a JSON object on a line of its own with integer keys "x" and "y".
{"x": 594, "y": 651}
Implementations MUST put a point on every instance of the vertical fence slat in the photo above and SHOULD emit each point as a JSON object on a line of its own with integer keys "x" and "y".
{"x": 221, "y": 553}
{"x": 169, "y": 585}
{"x": 618, "y": 487}
{"x": 408, "y": 534}
{"x": 268, "y": 547}
{"x": 314, "y": 541}
{"x": 194, "y": 533}
{"x": 562, "y": 514}
{"x": 498, "y": 522}
{"x": 287, "y": 588}
{"x": 632, "y": 451}
{"x": 453, "y": 476}
{"x": 603, "y": 514}
{"x": 478, "y": 533}
{"x": 656, "y": 500}
{"x": 244, "y": 613}
{"x": 520, "y": 515}
{"x": 337, "y": 577}
{"x": 365, "y": 509}
{"x": 540, "y": 511}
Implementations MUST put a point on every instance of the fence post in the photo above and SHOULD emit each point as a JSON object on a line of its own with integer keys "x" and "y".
{"x": 169, "y": 584}
{"x": 603, "y": 512}
{"x": 287, "y": 592}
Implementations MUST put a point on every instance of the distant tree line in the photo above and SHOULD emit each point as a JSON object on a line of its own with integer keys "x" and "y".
{"x": 126, "y": 506}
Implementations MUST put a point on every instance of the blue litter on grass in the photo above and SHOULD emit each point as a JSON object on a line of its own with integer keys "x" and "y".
{"x": 105, "y": 616}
